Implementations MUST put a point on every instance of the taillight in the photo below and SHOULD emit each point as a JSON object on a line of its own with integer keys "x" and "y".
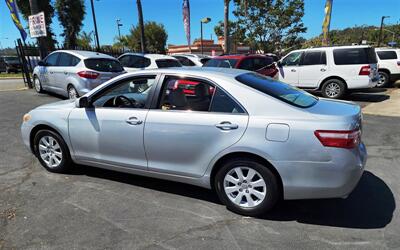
{"x": 338, "y": 138}
{"x": 88, "y": 74}
{"x": 398, "y": 63}
{"x": 365, "y": 70}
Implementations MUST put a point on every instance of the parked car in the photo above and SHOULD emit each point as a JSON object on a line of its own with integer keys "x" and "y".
{"x": 191, "y": 59}
{"x": 389, "y": 66}
{"x": 10, "y": 64}
{"x": 254, "y": 140}
{"x": 136, "y": 61}
{"x": 332, "y": 70}
{"x": 258, "y": 63}
{"x": 73, "y": 73}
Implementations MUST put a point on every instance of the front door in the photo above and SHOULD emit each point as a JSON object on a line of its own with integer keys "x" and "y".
{"x": 187, "y": 130}
{"x": 47, "y": 72}
{"x": 112, "y": 131}
{"x": 289, "y": 68}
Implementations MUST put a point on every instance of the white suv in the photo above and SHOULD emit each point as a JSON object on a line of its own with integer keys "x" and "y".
{"x": 333, "y": 70}
{"x": 136, "y": 61}
{"x": 389, "y": 65}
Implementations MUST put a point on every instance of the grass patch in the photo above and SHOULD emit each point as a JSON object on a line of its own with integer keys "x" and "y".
{"x": 13, "y": 75}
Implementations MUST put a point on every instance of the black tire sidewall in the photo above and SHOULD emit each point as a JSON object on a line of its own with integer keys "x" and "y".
{"x": 387, "y": 77}
{"x": 342, "y": 88}
{"x": 66, "y": 159}
{"x": 35, "y": 78}
{"x": 271, "y": 181}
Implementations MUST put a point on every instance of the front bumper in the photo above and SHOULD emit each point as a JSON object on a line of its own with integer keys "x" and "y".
{"x": 317, "y": 180}
{"x": 26, "y": 129}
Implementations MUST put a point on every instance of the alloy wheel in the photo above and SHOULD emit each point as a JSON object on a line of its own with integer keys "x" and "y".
{"x": 72, "y": 94}
{"x": 332, "y": 90}
{"x": 50, "y": 151}
{"x": 38, "y": 88}
{"x": 245, "y": 187}
{"x": 381, "y": 80}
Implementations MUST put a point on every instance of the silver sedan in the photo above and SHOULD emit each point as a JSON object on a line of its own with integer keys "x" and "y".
{"x": 252, "y": 139}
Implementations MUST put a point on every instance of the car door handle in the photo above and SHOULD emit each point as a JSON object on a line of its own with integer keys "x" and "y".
{"x": 65, "y": 73}
{"x": 323, "y": 70}
{"x": 293, "y": 70}
{"x": 227, "y": 126}
{"x": 133, "y": 121}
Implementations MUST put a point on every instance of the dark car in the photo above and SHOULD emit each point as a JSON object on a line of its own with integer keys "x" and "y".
{"x": 10, "y": 64}
{"x": 259, "y": 63}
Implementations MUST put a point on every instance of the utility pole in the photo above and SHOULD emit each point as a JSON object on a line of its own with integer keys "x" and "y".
{"x": 204, "y": 20}
{"x": 141, "y": 26}
{"x": 40, "y": 40}
{"x": 119, "y": 24}
{"x": 95, "y": 27}
{"x": 381, "y": 30}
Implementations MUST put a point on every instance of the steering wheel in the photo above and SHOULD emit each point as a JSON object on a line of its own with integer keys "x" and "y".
{"x": 123, "y": 101}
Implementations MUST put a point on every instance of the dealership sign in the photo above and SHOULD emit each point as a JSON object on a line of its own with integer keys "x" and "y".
{"x": 37, "y": 25}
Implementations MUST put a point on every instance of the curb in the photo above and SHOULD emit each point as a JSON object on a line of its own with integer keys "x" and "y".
{"x": 8, "y": 90}
{"x": 11, "y": 78}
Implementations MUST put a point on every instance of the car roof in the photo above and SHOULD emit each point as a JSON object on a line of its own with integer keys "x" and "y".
{"x": 387, "y": 49}
{"x": 150, "y": 56}
{"x": 82, "y": 54}
{"x": 332, "y": 47}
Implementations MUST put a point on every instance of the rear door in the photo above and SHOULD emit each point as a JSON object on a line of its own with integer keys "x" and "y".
{"x": 183, "y": 133}
{"x": 289, "y": 68}
{"x": 313, "y": 69}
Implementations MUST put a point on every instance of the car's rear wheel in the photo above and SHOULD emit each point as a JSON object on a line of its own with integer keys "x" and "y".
{"x": 333, "y": 89}
{"x": 38, "y": 85}
{"x": 72, "y": 92}
{"x": 247, "y": 187}
{"x": 52, "y": 151}
{"x": 383, "y": 80}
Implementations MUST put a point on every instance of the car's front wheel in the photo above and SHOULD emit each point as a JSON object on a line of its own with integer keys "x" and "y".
{"x": 247, "y": 187}
{"x": 52, "y": 151}
{"x": 38, "y": 85}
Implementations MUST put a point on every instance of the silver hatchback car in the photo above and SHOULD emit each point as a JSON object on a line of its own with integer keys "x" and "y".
{"x": 250, "y": 138}
{"x": 73, "y": 73}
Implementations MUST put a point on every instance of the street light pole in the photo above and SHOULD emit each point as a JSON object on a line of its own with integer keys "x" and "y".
{"x": 204, "y": 20}
{"x": 381, "y": 30}
{"x": 119, "y": 25}
{"x": 95, "y": 27}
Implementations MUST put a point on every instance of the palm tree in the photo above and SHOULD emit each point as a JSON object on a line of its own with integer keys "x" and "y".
{"x": 226, "y": 28}
{"x": 141, "y": 25}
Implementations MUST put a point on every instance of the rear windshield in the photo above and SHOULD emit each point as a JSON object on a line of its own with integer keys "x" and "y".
{"x": 354, "y": 56}
{"x": 387, "y": 55}
{"x": 167, "y": 63}
{"x": 279, "y": 90}
{"x": 104, "y": 65}
{"x": 221, "y": 63}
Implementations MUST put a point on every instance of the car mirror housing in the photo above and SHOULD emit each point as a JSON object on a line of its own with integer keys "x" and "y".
{"x": 42, "y": 63}
{"x": 82, "y": 102}
{"x": 279, "y": 63}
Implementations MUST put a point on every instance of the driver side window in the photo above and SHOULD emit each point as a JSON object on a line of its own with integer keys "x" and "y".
{"x": 129, "y": 93}
{"x": 292, "y": 59}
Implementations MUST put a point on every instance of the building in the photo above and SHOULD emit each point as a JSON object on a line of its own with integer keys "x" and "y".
{"x": 209, "y": 48}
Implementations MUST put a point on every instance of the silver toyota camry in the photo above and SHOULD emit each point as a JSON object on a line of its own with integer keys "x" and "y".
{"x": 250, "y": 138}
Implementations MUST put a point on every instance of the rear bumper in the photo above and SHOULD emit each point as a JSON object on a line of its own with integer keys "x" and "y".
{"x": 316, "y": 180}
{"x": 362, "y": 83}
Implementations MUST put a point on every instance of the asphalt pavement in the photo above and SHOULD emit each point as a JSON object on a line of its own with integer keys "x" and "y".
{"x": 99, "y": 209}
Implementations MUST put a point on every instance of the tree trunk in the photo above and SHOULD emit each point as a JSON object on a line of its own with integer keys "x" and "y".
{"x": 141, "y": 26}
{"x": 226, "y": 28}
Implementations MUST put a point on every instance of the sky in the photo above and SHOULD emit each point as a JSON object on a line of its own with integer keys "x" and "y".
{"x": 345, "y": 13}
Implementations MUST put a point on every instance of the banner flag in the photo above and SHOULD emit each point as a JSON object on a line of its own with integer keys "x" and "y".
{"x": 327, "y": 22}
{"x": 186, "y": 20}
{"x": 15, "y": 17}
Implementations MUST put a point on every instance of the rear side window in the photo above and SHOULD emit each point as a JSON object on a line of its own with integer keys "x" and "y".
{"x": 221, "y": 63}
{"x": 387, "y": 55}
{"x": 223, "y": 103}
{"x": 103, "y": 65}
{"x": 68, "y": 60}
{"x": 184, "y": 61}
{"x": 314, "y": 58}
{"x": 167, "y": 63}
{"x": 278, "y": 90}
{"x": 354, "y": 56}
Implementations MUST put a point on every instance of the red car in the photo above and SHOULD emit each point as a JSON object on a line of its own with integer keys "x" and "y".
{"x": 259, "y": 63}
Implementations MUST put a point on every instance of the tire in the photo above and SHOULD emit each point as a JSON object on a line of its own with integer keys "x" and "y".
{"x": 37, "y": 84}
{"x": 52, "y": 151}
{"x": 241, "y": 198}
{"x": 334, "y": 89}
{"x": 72, "y": 93}
{"x": 8, "y": 70}
{"x": 384, "y": 80}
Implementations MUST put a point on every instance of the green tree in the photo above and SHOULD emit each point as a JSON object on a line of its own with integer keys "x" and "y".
{"x": 155, "y": 37}
{"x": 48, "y": 9}
{"x": 84, "y": 39}
{"x": 70, "y": 14}
{"x": 271, "y": 25}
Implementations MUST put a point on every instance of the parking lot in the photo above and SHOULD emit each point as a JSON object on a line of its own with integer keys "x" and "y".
{"x": 95, "y": 208}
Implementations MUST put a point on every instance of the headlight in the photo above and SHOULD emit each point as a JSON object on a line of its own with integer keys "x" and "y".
{"x": 26, "y": 117}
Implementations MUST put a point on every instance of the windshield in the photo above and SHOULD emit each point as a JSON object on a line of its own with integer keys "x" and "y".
{"x": 221, "y": 63}
{"x": 279, "y": 90}
{"x": 104, "y": 65}
{"x": 167, "y": 63}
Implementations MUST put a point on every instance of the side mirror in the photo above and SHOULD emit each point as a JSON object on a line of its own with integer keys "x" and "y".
{"x": 42, "y": 63}
{"x": 279, "y": 63}
{"x": 82, "y": 102}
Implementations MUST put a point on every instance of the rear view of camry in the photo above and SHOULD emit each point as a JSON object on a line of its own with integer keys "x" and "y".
{"x": 252, "y": 139}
